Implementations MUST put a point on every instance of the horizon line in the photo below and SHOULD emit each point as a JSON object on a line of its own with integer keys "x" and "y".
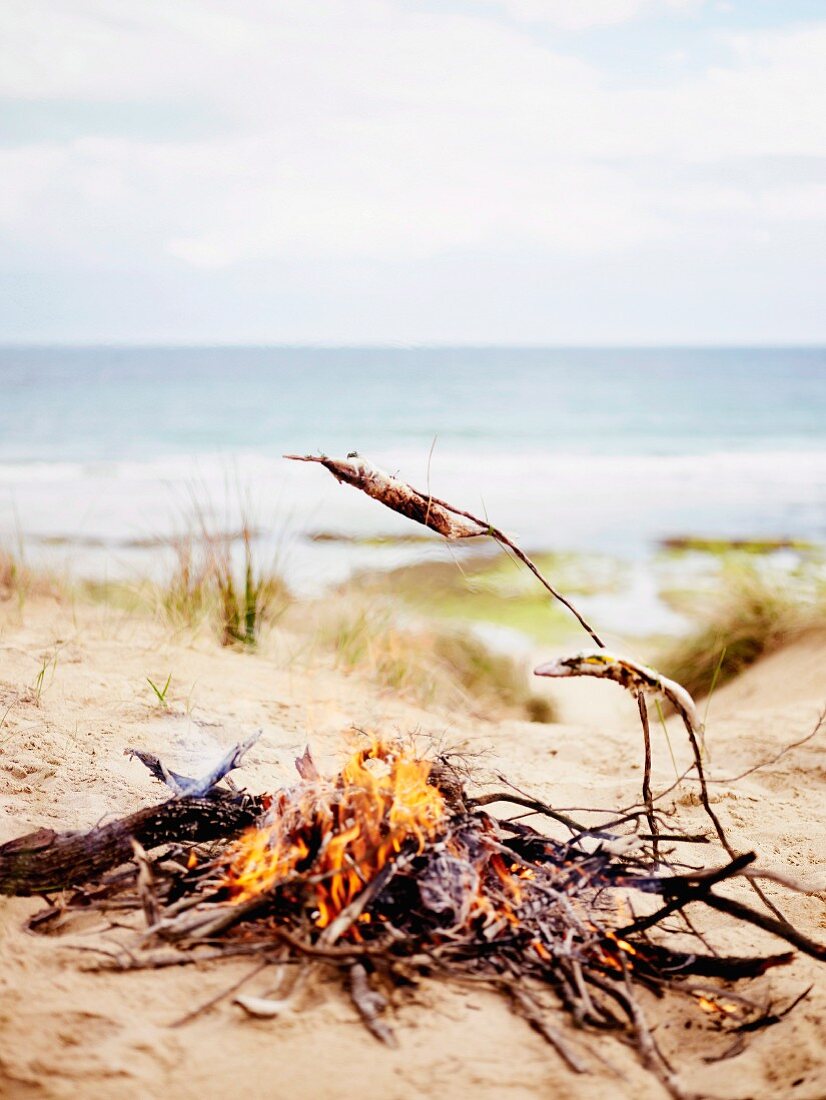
{"x": 156, "y": 345}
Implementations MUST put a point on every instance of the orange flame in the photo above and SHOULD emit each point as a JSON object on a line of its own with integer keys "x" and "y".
{"x": 339, "y": 833}
{"x": 712, "y": 1005}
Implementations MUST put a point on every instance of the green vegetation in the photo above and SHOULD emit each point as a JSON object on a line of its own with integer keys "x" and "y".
{"x": 680, "y": 544}
{"x": 243, "y": 609}
{"x": 410, "y": 630}
{"x": 205, "y": 588}
{"x": 48, "y": 661}
{"x": 747, "y": 613}
{"x": 161, "y": 692}
{"x": 494, "y": 589}
{"x": 37, "y": 688}
{"x": 429, "y": 663}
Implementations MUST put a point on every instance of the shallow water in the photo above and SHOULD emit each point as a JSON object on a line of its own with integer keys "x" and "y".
{"x": 101, "y": 449}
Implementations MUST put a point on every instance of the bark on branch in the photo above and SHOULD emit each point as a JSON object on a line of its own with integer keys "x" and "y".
{"x": 45, "y": 861}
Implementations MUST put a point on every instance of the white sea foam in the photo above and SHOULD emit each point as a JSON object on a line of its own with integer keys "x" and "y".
{"x": 549, "y": 499}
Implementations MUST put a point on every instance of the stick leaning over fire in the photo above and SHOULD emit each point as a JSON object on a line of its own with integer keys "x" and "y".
{"x": 641, "y": 680}
{"x": 449, "y": 522}
{"x": 456, "y": 523}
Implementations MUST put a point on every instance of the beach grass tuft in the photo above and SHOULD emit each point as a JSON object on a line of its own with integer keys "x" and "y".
{"x": 209, "y": 586}
{"x": 428, "y": 661}
{"x": 18, "y": 581}
{"x": 749, "y": 613}
{"x": 160, "y": 692}
{"x": 244, "y": 608}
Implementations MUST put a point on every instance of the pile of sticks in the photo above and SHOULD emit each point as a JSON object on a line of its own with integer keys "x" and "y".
{"x": 582, "y": 922}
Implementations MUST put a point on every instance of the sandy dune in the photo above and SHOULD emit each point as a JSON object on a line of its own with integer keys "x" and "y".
{"x": 65, "y": 1032}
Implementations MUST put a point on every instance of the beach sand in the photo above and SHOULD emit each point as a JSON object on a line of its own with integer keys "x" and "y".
{"x": 66, "y": 1032}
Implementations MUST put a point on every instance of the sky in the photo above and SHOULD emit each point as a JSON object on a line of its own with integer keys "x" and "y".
{"x": 413, "y": 171}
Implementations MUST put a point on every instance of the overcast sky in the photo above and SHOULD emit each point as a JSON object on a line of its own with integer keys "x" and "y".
{"x": 478, "y": 171}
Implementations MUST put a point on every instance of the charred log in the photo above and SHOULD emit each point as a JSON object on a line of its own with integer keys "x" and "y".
{"x": 45, "y": 861}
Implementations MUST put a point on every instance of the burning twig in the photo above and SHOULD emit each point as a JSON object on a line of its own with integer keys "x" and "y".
{"x": 45, "y": 861}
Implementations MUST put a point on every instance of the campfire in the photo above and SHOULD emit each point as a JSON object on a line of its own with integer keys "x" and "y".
{"x": 390, "y": 873}
{"x": 402, "y": 868}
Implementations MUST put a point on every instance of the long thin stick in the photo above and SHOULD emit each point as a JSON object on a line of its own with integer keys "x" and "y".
{"x": 646, "y": 775}
{"x": 704, "y": 799}
{"x": 780, "y": 928}
{"x": 499, "y": 536}
{"x": 207, "y": 1005}
{"x": 432, "y": 512}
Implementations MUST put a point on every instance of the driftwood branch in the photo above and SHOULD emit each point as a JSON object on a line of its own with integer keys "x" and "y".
{"x": 449, "y": 522}
{"x": 45, "y": 861}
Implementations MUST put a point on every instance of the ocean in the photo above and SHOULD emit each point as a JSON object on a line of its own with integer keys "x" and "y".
{"x": 102, "y": 449}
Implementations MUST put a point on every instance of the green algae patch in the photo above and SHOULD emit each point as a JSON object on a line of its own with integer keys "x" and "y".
{"x": 495, "y": 590}
{"x": 720, "y": 547}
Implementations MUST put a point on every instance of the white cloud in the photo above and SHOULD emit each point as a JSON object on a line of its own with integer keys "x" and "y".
{"x": 368, "y": 132}
{"x": 578, "y": 15}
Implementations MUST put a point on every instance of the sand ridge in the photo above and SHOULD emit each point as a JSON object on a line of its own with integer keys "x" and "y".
{"x": 65, "y": 1031}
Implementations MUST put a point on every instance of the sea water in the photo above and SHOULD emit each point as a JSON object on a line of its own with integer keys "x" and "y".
{"x": 602, "y": 450}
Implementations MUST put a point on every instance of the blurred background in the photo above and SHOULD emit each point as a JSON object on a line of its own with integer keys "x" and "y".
{"x": 561, "y": 264}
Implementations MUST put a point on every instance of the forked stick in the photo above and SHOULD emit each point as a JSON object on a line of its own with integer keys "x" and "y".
{"x": 640, "y": 680}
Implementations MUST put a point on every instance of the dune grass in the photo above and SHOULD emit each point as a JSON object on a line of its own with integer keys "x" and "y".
{"x": 750, "y": 612}
{"x": 206, "y": 586}
{"x": 19, "y": 581}
{"x": 427, "y": 662}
